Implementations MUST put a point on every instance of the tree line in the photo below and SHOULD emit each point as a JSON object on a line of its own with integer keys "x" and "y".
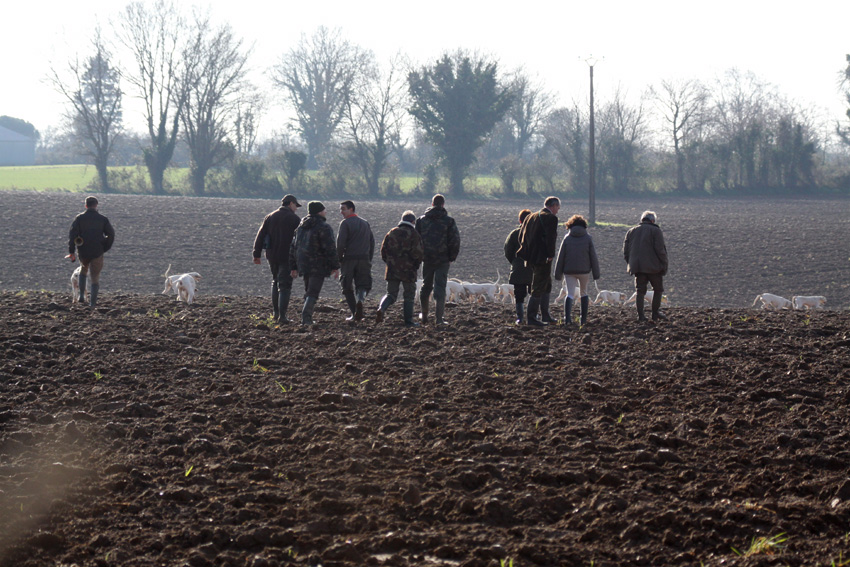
{"x": 363, "y": 123}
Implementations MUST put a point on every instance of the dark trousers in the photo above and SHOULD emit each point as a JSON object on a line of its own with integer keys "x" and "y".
{"x": 409, "y": 293}
{"x": 355, "y": 275}
{"x": 520, "y": 292}
{"x": 434, "y": 277}
{"x": 313, "y": 285}
{"x": 281, "y": 277}
{"x": 655, "y": 280}
{"x": 541, "y": 279}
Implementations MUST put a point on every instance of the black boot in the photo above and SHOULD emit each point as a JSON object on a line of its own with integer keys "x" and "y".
{"x": 307, "y": 311}
{"x": 544, "y": 308}
{"x": 531, "y": 314}
{"x": 639, "y": 305}
{"x": 93, "y": 294}
{"x": 657, "y": 315}
{"x": 386, "y": 301}
{"x": 568, "y": 311}
{"x": 520, "y": 312}
{"x": 275, "y": 301}
{"x": 359, "y": 305}
{"x": 423, "y": 302}
{"x": 348, "y": 294}
{"x": 440, "y": 312}
{"x": 283, "y": 305}
{"x": 408, "y": 314}
{"x": 585, "y": 305}
{"x": 82, "y": 288}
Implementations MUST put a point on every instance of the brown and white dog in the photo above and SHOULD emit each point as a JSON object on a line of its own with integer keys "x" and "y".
{"x": 808, "y": 301}
{"x": 75, "y": 285}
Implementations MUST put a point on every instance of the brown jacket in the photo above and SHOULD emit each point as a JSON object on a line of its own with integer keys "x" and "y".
{"x": 644, "y": 249}
{"x": 538, "y": 237}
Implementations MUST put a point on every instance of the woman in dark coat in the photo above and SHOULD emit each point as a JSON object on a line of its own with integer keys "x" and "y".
{"x": 520, "y": 274}
{"x": 576, "y": 262}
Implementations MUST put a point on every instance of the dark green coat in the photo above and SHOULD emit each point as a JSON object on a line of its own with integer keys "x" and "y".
{"x": 313, "y": 250}
{"x": 402, "y": 251}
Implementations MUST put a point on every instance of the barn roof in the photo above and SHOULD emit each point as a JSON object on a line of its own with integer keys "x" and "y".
{"x": 7, "y": 135}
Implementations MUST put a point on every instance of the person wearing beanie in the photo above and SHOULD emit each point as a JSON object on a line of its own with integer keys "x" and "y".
{"x": 355, "y": 247}
{"x": 646, "y": 255}
{"x": 441, "y": 239}
{"x": 521, "y": 274}
{"x": 312, "y": 255}
{"x": 90, "y": 237}
{"x": 275, "y": 237}
{"x": 402, "y": 251}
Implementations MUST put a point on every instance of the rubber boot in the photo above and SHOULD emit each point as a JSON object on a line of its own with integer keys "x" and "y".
{"x": 585, "y": 305}
{"x": 639, "y": 305}
{"x": 441, "y": 311}
{"x": 423, "y": 316}
{"x": 520, "y": 312}
{"x": 275, "y": 301}
{"x": 386, "y": 301}
{"x": 568, "y": 312}
{"x": 93, "y": 294}
{"x": 283, "y": 305}
{"x": 544, "y": 308}
{"x": 351, "y": 302}
{"x": 359, "y": 304}
{"x": 82, "y": 288}
{"x": 657, "y": 315}
{"x": 531, "y": 313}
{"x": 307, "y": 311}
{"x": 408, "y": 314}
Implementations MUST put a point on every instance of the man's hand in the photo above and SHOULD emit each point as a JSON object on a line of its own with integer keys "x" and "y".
{"x": 72, "y": 257}
{"x": 335, "y": 274}
{"x": 257, "y": 261}
{"x": 293, "y": 274}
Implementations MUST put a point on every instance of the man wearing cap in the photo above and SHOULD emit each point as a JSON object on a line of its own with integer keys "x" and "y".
{"x": 402, "y": 251}
{"x": 91, "y": 236}
{"x": 355, "y": 247}
{"x": 312, "y": 254}
{"x": 441, "y": 239}
{"x": 275, "y": 236}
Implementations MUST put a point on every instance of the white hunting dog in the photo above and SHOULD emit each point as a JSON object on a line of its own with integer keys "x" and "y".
{"x": 771, "y": 301}
{"x": 184, "y": 285}
{"x": 75, "y": 285}
{"x": 808, "y": 301}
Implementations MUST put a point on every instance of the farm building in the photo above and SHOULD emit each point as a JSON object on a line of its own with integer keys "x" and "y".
{"x": 16, "y": 149}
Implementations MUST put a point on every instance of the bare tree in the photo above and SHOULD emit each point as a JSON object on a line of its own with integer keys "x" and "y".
{"x": 566, "y": 133}
{"x": 249, "y": 108}
{"x": 215, "y": 86}
{"x": 318, "y": 76}
{"x": 94, "y": 94}
{"x": 844, "y": 133}
{"x": 531, "y": 104}
{"x": 375, "y": 116}
{"x": 165, "y": 51}
{"x": 622, "y": 140}
{"x": 684, "y": 108}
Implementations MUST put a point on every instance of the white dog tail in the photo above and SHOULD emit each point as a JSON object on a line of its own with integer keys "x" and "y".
{"x": 756, "y": 300}
{"x": 498, "y": 277}
{"x": 165, "y": 275}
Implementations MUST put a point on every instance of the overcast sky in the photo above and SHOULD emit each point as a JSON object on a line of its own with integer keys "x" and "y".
{"x": 799, "y": 47}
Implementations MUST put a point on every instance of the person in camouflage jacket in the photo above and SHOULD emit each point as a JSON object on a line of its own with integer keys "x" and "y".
{"x": 313, "y": 255}
{"x": 441, "y": 239}
{"x": 402, "y": 250}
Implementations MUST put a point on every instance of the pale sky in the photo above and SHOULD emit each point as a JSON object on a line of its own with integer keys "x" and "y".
{"x": 799, "y": 47}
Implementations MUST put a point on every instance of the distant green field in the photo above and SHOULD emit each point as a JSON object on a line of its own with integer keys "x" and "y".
{"x": 71, "y": 178}
{"x": 78, "y": 178}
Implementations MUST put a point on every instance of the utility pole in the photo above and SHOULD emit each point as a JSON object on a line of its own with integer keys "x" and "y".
{"x": 591, "y": 61}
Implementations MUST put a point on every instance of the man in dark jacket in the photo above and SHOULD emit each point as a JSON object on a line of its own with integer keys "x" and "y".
{"x": 402, "y": 251}
{"x": 538, "y": 239}
{"x": 275, "y": 236}
{"x": 91, "y": 235}
{"x": 355, "y": 247}
{"x": 441, "y": 239}
{"x": 520, "y": 273}
{"x": 313, "y": 255}
{"x": 646, "y": 255}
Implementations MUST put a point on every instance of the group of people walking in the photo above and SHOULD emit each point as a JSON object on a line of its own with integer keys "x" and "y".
{"x": 307, "y": 247}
